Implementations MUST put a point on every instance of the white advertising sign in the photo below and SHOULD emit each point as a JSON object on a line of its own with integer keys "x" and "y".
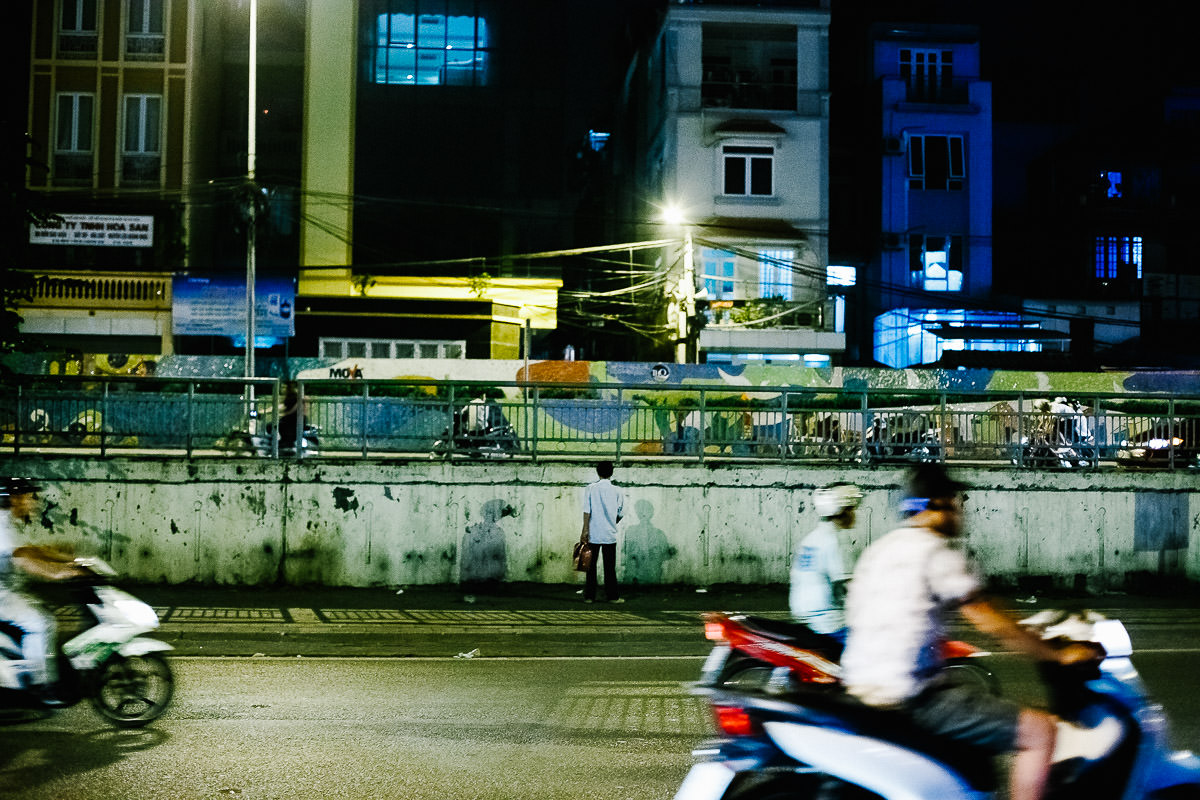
{"x": 94, "y": 230}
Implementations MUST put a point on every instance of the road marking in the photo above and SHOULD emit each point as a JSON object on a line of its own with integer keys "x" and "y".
{"x": 435, "y": 658}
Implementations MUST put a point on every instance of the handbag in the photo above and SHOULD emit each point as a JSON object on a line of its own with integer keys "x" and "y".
{"x": 581, "y": 557}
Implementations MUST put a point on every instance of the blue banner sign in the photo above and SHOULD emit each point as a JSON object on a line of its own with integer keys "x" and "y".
{"x": 215, "y": 305}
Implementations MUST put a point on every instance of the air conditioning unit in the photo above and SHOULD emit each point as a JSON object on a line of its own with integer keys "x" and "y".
{"x": 893, "y": 145}
{"x": 892, "y": 241}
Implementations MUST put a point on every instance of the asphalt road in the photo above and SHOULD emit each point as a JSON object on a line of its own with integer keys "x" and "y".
{"x": 563, "y": 726}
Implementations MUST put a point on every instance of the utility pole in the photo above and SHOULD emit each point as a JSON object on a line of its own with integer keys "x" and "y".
{"x": 687, "y": 300}
{"x": 252, "y": 221}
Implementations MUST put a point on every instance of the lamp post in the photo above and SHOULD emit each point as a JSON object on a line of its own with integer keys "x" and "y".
{"x": 686, "y": 292}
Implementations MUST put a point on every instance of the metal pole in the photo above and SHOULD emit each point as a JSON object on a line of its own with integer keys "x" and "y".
{"x": 688, "y": 300}
{"x": 252, "y": 222}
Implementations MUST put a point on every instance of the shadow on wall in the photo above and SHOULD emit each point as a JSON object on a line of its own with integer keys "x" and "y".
{"x": 484, "y": 553}
{"x": 645, "y": 548}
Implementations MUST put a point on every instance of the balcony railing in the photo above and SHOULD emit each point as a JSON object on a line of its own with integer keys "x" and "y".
{"x": 125, "y": 290}
{"x": 448, "y": 419}
{"x": 140, "y": 169}
{"x": 73, "y": 169}
{"x": 144, "y": 46}
{"x": 77, "y": 44}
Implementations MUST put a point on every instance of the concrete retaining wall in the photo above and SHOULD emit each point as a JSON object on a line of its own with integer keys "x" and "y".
{"x": 369, "y": 523}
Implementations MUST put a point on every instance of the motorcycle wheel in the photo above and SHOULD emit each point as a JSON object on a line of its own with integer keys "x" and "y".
{"x": 811, "y": 786}
{"x": 131, "y": 692}
{"x": 967, "y": 671}
{"x": 746, "y": 674}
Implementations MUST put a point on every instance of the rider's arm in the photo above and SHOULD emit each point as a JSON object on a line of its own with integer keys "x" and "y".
{"x": 46, "y": 563}
{"x": 987, "y": 618}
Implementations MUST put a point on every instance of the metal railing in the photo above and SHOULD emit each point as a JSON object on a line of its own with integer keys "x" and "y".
{"x": 473, "y": 420}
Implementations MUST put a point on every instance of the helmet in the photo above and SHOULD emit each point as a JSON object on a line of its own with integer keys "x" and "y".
{"x": 929, "y": 481}
{"x": 831, "y": 500}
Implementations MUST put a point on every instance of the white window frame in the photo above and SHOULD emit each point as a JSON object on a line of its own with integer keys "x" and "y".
{"x": 956, "y": 174}
{"x": 746, "y": 154}
{"x": 148, "y": 13}
{"x": 369, "y": 345}
{"x": 926, "y": 69}
{"x": 775, "y": 273}
{"x": 143, "y": 102}
{"x": 720, "y": 273}
{"x": 78, "y": 25}
{"x": 74, "y": 121}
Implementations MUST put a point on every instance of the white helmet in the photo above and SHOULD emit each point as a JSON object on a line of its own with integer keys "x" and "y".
{"x": 829, "y": 501}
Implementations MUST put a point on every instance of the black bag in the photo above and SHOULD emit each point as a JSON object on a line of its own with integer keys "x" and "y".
{"x": 581, "y": 558}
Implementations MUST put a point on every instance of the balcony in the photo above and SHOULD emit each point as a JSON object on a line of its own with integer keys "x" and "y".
{"x": 77, "y": 44}
{"x": 140, "y": 291}
{"x": 144, "y": 46}
{"x": 940, "y": 91}
{"x": 742, "y": 89}
{"x": 73, "y": 169}
{"x": 140, "y": 170}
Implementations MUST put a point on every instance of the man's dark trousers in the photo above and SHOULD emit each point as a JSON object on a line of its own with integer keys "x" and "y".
{"x": 611, "y": 590}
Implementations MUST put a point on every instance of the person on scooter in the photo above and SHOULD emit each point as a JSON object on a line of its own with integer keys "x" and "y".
{"x": 818, "y": 574}
{"x": 20, "y": 616}
{"x": 904, "y": 587}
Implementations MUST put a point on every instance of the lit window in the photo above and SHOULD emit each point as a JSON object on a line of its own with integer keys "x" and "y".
{"x": 390, "y": 348}
{"x": 718, "y": 273}
{"x": 1112, "y": 182}
{"x": 1118, "y": 255}
{"x": 935, "y": 263}
{"x": 840, "y": 275}
{"x": 775, "y": 269}
{"x": 936, "y": 163}
{"x": 430, "y": 43}
{"x": 748, "y": 171}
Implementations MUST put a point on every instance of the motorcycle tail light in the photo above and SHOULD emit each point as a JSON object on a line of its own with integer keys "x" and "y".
{"x": 714, "y": 631}
{"x": 734, "y": 721}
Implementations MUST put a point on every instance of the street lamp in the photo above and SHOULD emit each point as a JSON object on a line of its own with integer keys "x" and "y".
{"x": 674, "y": 215}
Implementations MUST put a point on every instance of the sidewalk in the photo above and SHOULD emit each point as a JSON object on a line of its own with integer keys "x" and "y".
{"x": 505, "y": 620}
{"x": 444, "y": 621}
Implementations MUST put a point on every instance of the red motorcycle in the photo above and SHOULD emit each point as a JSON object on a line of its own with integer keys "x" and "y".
{"x": 757, "y": 653}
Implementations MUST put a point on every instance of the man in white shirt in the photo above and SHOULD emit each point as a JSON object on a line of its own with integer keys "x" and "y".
{"x": 904, "y": 587}
{"x": 602, "y": 508}
{"x": 818, "y": 575}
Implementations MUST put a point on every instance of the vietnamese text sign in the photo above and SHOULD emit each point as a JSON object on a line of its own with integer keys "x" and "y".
{"x": 94, "y": 230}
{"x": 215, "y": 305}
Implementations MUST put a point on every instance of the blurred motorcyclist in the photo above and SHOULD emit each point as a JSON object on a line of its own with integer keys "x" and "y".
{"x": 20, "y": 616}
{"x": 818, "y": 574}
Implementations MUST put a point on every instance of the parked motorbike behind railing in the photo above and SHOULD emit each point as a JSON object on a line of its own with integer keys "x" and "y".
{"x": 262, "y": 444}
{"x": 801, "y": 743}
{"x": 478, "y": 430}
{"x": 881, "y": 444}
{"x": 110, "y": 663}
{"x": 1060, "y": 439}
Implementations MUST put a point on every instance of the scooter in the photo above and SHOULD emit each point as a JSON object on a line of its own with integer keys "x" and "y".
{"x": 754, "y": 652}
{"x": 110, "y": 662}
{"x": 821, "y": 744}
{"x": 489, "y": 436}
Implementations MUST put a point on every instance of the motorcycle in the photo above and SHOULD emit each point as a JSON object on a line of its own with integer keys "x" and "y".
{"x": 757, "y": 653}
{"x": 478, "y": 430}
{"x": 261, "y": 444}
{"x": 110, "y": 663}
{"x": 807, "y": 744}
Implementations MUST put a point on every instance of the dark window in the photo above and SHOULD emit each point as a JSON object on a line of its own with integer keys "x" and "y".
{"x": 748, "y": 170}
{"x": 936, "y": 163}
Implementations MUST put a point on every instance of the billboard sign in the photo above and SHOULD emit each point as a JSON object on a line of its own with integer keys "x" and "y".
{"x": 215, "y": 305}
{"x": 94, "y": 230}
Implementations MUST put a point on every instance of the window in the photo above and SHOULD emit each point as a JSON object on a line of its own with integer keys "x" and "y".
{"x": 748, "y": 171}
{"x": 749, "y": 66}
{"x": 935, "y": 263}
{"x": 391, "y": 348}
{"x": 1118, "y": 257}
{"x": 140, "y": 160}
{"x": 936, "y": 163}
{"x": 775, "y": 273}
{"x": 73, "y": 138}
{"x": 429, "y": 43}
{"x": 718, "y": 273}
{"x": 929, "y": 74}
{"x": 144, "y": 32}
{"x": 77, "y": 30}
{"x": 1111, "y": 183}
